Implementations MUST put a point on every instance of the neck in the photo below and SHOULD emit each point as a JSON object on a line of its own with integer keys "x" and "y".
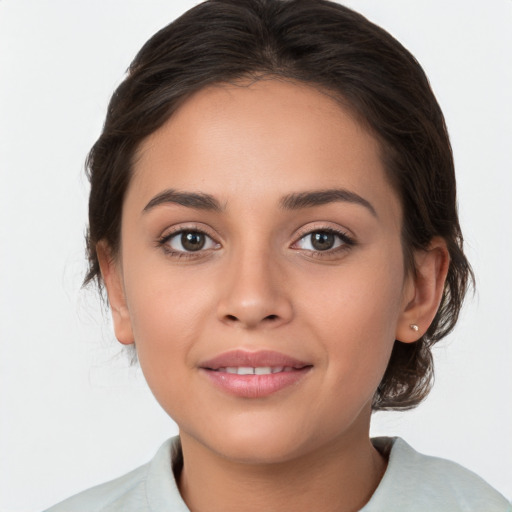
{"x": 339, "y": 477}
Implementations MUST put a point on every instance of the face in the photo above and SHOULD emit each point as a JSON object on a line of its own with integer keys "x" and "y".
{"x": 261, "y": 273}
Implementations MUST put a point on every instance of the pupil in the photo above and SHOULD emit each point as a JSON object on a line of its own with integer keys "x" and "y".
{"x": 322, "y": 240}
{"x": 192, "y": 241}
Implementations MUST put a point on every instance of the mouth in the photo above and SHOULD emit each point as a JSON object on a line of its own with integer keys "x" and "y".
{"x": 254, "y": 374}
{"x": 257, "y": 370}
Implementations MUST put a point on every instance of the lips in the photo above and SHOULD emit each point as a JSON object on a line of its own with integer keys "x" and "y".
{"x": 244, "y": 358}
{"x": 257, "y": 370}
{"x": 254, "y": 374}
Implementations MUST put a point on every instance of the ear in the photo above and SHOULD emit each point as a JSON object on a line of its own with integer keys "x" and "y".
{"x": 423, "y": 291}
{"x": 113, "y": 279}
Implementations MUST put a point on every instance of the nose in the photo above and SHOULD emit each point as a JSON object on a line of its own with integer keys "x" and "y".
{"x": 255, "y": 294}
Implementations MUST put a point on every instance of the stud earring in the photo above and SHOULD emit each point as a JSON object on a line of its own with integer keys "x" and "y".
{"x": 414, "y": 327}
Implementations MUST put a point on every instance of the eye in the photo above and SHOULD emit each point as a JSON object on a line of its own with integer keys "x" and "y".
{"x": 323, "y": 240}
{"x": 187, "y": 241}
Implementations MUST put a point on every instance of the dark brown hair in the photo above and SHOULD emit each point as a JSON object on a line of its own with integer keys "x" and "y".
{"x": 334, "y": 49}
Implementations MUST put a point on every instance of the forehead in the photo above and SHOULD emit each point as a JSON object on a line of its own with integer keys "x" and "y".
{"x": 255, "y": 140}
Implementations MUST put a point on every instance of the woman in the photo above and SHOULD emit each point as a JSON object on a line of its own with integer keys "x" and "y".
{"x": 273, "y": 215}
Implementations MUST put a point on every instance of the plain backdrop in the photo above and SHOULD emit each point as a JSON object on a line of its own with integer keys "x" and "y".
{"x": 73, "y": 412}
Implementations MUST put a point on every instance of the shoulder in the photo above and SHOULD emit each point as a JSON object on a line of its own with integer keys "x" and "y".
{"x": 138, "y": 491}
{"x": 430, "y": 483}
{"x": 107, "y": 496}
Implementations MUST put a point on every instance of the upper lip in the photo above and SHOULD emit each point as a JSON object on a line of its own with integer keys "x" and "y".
{"x": 260, "y": 358}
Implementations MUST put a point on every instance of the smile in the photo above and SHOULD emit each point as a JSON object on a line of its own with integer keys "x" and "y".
{"x": 259, "y": 370}
{"x": 254, "y": 374}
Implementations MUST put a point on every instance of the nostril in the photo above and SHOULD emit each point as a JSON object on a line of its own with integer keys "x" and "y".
{"x": 233, "y": 318}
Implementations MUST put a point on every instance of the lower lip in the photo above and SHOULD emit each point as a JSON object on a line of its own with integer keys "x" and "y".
{"x": 255, "y": 386}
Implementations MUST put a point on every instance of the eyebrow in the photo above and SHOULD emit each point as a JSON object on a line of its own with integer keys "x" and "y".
{"x": 295, "y": 201}
{"x": 313, "y": 198}
{"x": 195, "y": 200}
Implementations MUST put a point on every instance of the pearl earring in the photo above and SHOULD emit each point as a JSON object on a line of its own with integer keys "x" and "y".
{"x": 414, "y": 327}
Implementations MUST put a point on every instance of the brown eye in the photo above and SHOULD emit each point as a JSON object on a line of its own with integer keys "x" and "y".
{"x": 192, "y": 240}
{"x": 322, "y": 240}
{"x": 188, "y": 241}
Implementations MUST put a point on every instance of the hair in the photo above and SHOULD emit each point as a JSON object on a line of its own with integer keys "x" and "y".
{"x": 334, "y": 49}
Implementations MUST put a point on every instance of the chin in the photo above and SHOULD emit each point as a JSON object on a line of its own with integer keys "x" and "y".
{"x": 259, "y": 450}
{"x": 250, "y": 440}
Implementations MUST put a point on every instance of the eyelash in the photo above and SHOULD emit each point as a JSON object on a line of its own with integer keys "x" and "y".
{"x": 163, "y": 242}
{"x": 346, "y": 242}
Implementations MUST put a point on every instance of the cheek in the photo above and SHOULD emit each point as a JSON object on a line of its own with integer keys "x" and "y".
{"x": 164, "y": 317}
{"x": 166, "y": 326}
{"x": 167, "y": 312}
{"x": 356, "y": 322}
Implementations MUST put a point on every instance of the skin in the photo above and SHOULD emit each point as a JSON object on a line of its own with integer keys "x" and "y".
{"x": 259, "y": 285}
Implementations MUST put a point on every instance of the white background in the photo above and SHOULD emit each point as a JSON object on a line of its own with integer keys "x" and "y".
{"x": 72, "y": 413}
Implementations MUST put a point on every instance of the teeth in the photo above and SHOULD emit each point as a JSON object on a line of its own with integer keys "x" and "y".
{"x": 262, "y": 370}
{"x": 259, "y": 370}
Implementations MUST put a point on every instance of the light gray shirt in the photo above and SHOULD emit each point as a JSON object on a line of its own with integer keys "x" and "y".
{"x": 412, "y": 482}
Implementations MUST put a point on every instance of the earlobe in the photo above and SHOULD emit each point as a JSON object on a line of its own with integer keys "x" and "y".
{"x": 113, "y": 279}
{"x": 423, "y": 291}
